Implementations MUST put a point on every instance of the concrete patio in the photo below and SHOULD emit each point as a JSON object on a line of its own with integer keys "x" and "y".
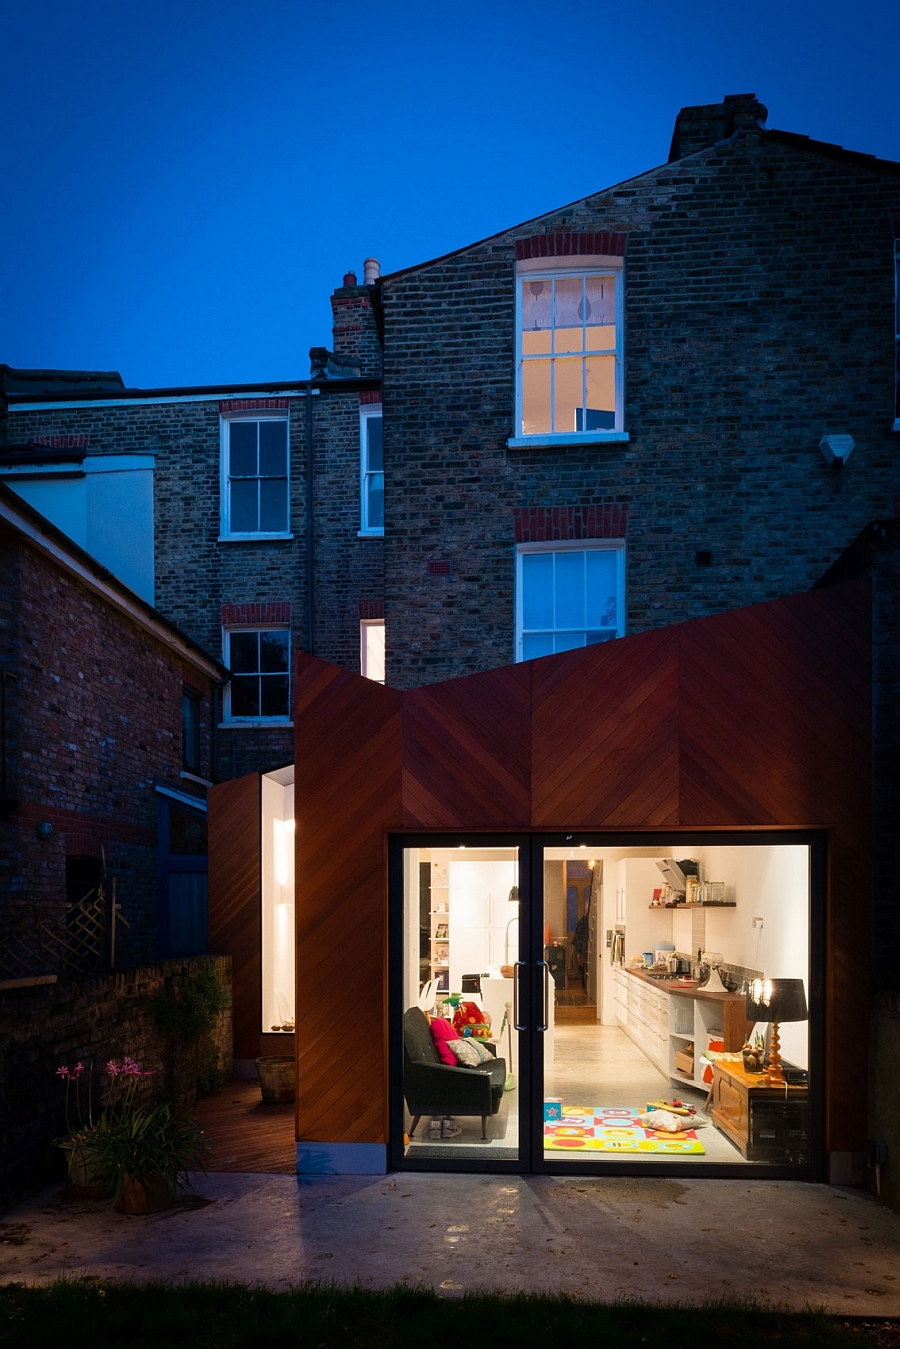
{"x": 658, "y": 1240}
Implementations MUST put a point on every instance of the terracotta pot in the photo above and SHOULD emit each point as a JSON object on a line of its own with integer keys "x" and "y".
{"x": 149, "y": 1196}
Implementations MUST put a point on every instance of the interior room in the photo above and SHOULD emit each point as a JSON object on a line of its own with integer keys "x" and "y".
{"x": 678, "y": 982}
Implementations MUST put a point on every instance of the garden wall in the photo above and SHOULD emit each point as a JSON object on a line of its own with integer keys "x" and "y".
{"x": 43, "y": 1026}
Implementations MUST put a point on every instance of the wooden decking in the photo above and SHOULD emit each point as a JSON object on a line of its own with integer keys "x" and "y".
{"x": 244, "y": 1134}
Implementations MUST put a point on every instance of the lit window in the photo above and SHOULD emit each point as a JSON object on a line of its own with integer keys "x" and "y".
{"x": 259, "y": 660}
{"x": 255, "y": 477}
{"x": 371, "y": 649}
{"x": 371, "y": 471}
{"x": 568, "y": 597}
{"x": 570, "y": 353}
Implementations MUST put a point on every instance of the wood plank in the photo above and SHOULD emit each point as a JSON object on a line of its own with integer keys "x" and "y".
{"x": 235, "y": 899}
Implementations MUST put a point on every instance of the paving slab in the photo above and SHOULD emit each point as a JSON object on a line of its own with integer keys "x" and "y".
{"x": 653, "y": 1239}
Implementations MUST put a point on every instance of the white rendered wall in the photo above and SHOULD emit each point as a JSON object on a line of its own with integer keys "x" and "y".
{"x": 106, "y": 507}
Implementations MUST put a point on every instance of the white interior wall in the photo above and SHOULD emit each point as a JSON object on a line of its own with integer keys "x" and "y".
{"x": 278, "y": 933}
{"x": 411, "y": 926}
{"x": 771, "y": 883}
{"x": 479, "y": 914}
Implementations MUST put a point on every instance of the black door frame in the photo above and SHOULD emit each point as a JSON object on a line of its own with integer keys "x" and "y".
{"x": 530, "y": 1073}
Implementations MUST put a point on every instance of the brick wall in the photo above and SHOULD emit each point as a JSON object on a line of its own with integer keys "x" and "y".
{"x": 91, "y": 1021}
{"x": 758, "y": 295}
{"x": 196, "y": 574}
{"x": 94, "y": 724}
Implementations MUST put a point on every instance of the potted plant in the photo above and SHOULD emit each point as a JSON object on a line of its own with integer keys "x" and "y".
{"x": 82, "y": 1169}
{"x": 143, "y": 1152}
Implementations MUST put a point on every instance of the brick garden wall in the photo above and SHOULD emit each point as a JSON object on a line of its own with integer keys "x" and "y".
{"x": 93, "y": 1021}
{"x": 758, "y": 312}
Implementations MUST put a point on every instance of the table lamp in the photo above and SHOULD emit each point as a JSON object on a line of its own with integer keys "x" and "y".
{"x": 775, "y": 1001}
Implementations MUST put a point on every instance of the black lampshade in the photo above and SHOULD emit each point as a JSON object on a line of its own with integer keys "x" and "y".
{"x": 776, "y": 1000}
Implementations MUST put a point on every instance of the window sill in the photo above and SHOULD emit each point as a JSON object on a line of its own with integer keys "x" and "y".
{"x": 252, "y": 538}
{"x": 562, "y": 439}
{"x": 192, "y": 777}
{"x": 370, "y": 534}
{"x": 255, "y": 723}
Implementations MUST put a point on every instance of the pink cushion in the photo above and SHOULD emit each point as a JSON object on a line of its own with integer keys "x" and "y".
{"x": 441, "y": 1033}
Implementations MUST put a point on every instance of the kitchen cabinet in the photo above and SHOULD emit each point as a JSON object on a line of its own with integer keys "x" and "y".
{"x": 664, "y": 1019}
{"x": 767, "y": 1124}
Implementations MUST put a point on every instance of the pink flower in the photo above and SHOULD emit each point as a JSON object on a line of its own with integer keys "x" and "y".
{"x": 113, "y": 1068}
{"x": 79, "y": 1069}
{"x": 63, "y": 1072}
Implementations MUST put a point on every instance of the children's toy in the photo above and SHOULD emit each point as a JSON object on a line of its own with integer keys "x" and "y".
{"x": 469, "y": 1019}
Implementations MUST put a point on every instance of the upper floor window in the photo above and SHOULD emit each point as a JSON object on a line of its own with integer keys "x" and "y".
{"x": 255, "y": 477}
{"x": 190, "y": 730}
{"x": 259, "y": 660}
{"x": 569, "y": 358}
{"x": 371, "y": 478}
{"x": 371, "y": 649}
{"x": 568, "y": 596}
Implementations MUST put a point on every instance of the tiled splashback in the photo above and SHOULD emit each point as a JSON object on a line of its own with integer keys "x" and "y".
{"x": 735, "y": 977}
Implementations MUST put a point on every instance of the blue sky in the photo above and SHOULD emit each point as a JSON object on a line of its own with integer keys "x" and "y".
{"x": 186, "y": 181}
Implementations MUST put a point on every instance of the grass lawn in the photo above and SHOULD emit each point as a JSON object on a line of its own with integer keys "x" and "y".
{"x": 84, "y": 1314}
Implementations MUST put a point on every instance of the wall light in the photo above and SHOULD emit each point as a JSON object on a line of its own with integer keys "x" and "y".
{"x": 836, "y": 449}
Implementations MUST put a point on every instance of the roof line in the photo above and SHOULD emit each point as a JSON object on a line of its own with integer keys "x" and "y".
{"x": 22, "y": 517}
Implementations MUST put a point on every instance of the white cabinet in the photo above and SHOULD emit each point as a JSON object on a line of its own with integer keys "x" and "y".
{"x": 642, "y": 1011}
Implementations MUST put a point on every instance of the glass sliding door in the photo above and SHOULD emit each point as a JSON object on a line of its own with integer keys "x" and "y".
{"x": 461, "y": 985}
{"x": 653, "y": 1056}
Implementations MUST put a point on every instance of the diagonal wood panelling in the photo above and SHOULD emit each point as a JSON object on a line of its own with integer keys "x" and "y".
{"x": 466, "y": 752}
{"x": 347, "y": 793}
{"x": 775, "y": 729}
{"x": 757, "y": 717}
{"x": 234, "y": 900}
{"x": 604, "y": 734}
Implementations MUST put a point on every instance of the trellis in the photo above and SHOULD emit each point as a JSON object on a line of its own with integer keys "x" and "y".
{"x": 82, "y": 941}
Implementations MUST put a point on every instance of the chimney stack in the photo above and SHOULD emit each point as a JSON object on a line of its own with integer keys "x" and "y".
{"x": 702, "y": 127}
{"x": 371, "y": 271}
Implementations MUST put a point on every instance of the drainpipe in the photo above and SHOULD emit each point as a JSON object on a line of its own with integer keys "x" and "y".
{"x": 310, "y": 516}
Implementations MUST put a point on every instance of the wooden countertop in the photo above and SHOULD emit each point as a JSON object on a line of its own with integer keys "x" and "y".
{"x": 684, "y": 990}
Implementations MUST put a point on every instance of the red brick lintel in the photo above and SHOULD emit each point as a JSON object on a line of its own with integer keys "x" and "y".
{"x": 65, "y": 440}
{"x": 540, "y": 524}
{"x": 371, "y": 609}
{"x": 253, "y": 405}
{"x": 604, "y": 244}
{"x": 370, "y": 396}
{"x": 276, "y": 613}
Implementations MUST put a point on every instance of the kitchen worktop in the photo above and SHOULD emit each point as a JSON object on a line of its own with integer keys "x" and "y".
{"x": 685, "y": 990}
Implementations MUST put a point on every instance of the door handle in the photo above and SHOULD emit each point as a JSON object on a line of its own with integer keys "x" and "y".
{"x": 543, "y": 965}
{"x": 516, "y": 967}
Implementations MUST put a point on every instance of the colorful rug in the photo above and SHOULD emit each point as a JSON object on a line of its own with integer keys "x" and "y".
{"x": 605, "y": 1129}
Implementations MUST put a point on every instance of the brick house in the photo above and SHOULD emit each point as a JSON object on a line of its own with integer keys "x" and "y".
{"x": 667, "y": 402}
{"x": 266, "y": 513}
{"x": 745, "y": 292}
{"x": 107, "y": 726}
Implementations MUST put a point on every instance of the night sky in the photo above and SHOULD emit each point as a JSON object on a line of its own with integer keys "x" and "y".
{"x": 185, "y": 183}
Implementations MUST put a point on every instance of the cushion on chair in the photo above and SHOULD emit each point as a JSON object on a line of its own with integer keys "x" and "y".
{"x": 442, "y": 1033}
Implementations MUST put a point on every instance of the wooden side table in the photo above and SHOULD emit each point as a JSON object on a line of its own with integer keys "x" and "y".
{"x": 768, "y": 1124}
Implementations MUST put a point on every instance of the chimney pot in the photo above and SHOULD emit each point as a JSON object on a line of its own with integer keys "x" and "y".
{"x": 371, "y": 271}
{"x": 350, "y": 279}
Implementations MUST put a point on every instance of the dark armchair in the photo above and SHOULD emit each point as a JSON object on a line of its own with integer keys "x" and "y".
{"x": 434, "y": 1088}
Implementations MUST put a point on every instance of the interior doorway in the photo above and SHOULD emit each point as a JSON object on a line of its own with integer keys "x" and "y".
{"x": 609, "y": 976}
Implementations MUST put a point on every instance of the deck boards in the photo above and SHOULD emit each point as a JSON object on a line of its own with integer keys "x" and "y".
{"x": 244, "y": 1134}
